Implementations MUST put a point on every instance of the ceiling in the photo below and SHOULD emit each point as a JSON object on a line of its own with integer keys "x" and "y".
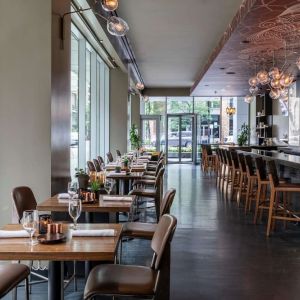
{"x": 172, "y": 39}
{"x": 260, "y": 31}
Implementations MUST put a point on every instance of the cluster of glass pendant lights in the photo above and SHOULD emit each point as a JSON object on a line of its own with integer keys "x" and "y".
{"x": 115, "y": 25}
{"x": 277, "y": 80}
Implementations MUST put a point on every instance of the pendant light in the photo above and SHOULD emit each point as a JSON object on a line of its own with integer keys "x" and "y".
{"x": 109, "y": 5}
{"x": 117, "y": 26}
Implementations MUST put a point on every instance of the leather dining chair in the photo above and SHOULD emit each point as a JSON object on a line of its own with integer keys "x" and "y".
{"x": 118, "y": 153}
{"x": 110, "y": 157}
{"x": 130, "y": 280}
{"x": 91, "y": 166}
{"x": 146, "y": 230}
{"x": 97, "y": 165}
{"x": 11, "y": 275}
{"x": 100, "y": 160}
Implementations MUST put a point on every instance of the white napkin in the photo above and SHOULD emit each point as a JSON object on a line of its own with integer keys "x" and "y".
{"x": 116, "y": 198}
{"x": 13, "y": 233}
{"x": 93, "y": 232}
{"x": 63, "y": 196}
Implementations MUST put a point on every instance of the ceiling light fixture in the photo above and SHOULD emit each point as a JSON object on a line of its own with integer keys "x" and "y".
{"x": 140, "y": 86}
{"x": 248, "y": 99}
{"x": 230, "y": 110}
{"x": 110, "y": 5}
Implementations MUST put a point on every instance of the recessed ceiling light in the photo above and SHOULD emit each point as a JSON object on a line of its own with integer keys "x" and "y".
{"x": 230, "y": 73}
{"x": 245, "y": 42}
{"x": 206, "y": 85}
{"x": 222, "y": 68}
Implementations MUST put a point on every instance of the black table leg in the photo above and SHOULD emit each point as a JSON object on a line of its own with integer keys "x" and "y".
{"x": 55, "y": 281}
{"x": 114, "y": 217}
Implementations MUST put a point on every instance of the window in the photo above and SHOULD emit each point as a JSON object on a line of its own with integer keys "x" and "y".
{"x": 89, "y": 103}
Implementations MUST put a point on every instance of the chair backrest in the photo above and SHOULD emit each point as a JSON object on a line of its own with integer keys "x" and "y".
{"x": 24, "y": 200}
{"x": 228, "y": 157}
{"x": 159, "y": 177}
{"x": 261, "y": 168}
{"x": 159, "y": 166}
{"x": 208, "y": 150}
{"x": 162, "y": 236}
{"x": 118, "y": 152}
{"x": 167, "y": 202}
{"x": 242, "y": 164}
{"x": 274, "y": 180}
{"x": 109, "y": 156}
{"x": 97, "y": 165}
{"x": 249, "y": 165}
{"x": 234, "y": 159}
{"x": 91, "y": 166}
{"x": 224, "y": 156}
{"x": 100, "y": 160}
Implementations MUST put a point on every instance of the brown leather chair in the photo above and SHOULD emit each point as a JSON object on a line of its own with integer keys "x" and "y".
{"x": 11, "y": 275}
{"x": 146, "y": 230}
{"x": 23, "y": 199}
{"x": 153, "y": 193}
{"x": 91, "y": 166}
{"x": 97, "y": 165}
{"x": 100, "y": 160}
{"x": 109, "y": 156}
{"x": 118, "y": 153}
{"x": 129, "y": 280}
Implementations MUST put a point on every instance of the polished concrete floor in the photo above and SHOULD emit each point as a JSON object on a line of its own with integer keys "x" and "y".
{"x": 217, "y": 253}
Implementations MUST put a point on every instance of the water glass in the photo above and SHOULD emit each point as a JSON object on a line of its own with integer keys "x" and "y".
{"x": 75, "y": 210}
{"x": 30, "y": 222}
{"x": 72, "y": 189}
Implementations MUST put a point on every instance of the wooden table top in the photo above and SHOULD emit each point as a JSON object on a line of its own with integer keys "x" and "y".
{"x": 134, "y": 168}
{"x": 123, "y": 176}
{"x": 76, "y": 248}
{"x": 52, "y": 204}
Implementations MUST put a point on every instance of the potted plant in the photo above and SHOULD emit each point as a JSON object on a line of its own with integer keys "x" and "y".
{"x": 135, "y": 140}
{"x": 125, "y": 163}
{"x": 95, "y": 188}
{"x": 83, "y": 178}
{"x": 244, "y": 135}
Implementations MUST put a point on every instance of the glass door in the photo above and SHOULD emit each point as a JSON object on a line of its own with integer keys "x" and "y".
{"x": 150, "y": 129}
{"x": 181, "y": 140}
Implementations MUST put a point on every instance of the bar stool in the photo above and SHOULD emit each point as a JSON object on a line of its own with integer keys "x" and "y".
{"x": 219, "y": 166}
{"x": 224, "y": 169}
{"x": 229, "y": 167}
{"x": 277, "y": 212}
{"x": 251, "y": 183}
{"x": 210, "y": 159}
{"x": 243, "y": 178}
{"x": 235, "y": 179}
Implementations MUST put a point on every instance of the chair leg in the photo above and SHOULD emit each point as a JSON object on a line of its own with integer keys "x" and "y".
{"x": 14, "y": 293}
{"x": 257, "y": 202}
{"x": 27, "y": 289}
{"x": 75, "y": 278}
{"x": 272, "y": 199}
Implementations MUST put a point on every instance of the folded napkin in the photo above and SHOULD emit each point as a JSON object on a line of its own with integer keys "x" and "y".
{"x": 116, "y": 198}
{"x": 93, "y": 232}
{"x": 13, "y": 233}
{"x": 63, "y": 196}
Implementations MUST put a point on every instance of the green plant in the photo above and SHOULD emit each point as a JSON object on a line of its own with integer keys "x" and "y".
{"x": 135, "y": 139}
{"x": 125, "y": 160}
{"x": 244, "y": 135}
{"x": 80, "y": 172}
{"x": 95, "y": 186}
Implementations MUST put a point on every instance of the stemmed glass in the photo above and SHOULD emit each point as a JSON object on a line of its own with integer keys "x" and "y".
{"x": 72, "y": 189}
{"x": 30, "y": 224}
{"x": 75, "y": 210}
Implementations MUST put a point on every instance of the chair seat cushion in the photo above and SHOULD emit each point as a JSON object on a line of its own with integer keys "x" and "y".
{"x": 11, "y": 275}
{"x": 138, "y": 230}
{"x": 120, "y": 280}
{"x": 144, "y": 182}
{"x": 144, "y": 192}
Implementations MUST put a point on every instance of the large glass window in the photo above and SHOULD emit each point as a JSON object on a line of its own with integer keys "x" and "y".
{"x": 179, "y": 105}
{"x": 89, "y": 103}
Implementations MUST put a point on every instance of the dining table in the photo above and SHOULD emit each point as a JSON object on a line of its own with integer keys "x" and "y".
{"x": 83, "y": 248}
{"x": 109, "y": 206}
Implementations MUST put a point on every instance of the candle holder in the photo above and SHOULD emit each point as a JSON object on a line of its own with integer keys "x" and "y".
{"x": 44, "y": 220}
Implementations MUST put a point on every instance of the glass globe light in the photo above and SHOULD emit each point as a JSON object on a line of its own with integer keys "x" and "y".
{"x": 273, "y": 72}
{"x": 253, "y": 81}
{"x": 298, "y": 63}
{"x": 274, "y": 94}
{"x": 275, "y": 83}
{"x": 253, "y": 90}
{"x": 109, "y": 5}
{"x": 263, "y": 77}
{"x": 284, "y": 92}
{"x": 117, "y": 26}
{"x": 248, "y": 99}
{"x": 284, "y": 98}
{"x": 140, "y": 86}
{"x": 286, "y": 80}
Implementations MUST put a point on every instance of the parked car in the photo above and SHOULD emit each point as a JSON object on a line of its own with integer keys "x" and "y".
{"x": 173, "y": 139}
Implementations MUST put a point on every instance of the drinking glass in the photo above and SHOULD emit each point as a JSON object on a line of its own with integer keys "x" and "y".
{"x": 74, "y": 210}
{"x": 107, "y": 186}
{"x": 72, "y": 189}
{"x": 30, "y": 222}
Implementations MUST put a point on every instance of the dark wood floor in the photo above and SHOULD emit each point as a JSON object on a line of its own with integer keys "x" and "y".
{"x": 217, "y": 253}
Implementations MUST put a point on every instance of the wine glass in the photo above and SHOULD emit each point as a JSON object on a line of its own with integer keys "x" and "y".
{"x": 30, "y": 223}
{"x": 72, "y": 189}
{"x": 74, "y": 210}
{"x": 107, "y": 186}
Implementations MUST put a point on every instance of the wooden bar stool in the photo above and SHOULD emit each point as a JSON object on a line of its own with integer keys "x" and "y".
{"x": 243, "y": 178}
{"x": 277, "y": 212}
{"x": 251, "y": 183}
{"x": 229, "y": 168}
{"x": 219, "y": 166}
{"x": 224, "y": 169}
{"x": 235, "y": 179}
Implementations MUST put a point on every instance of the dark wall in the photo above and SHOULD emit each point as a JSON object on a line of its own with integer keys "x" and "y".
{"x": 60, "y": 99}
